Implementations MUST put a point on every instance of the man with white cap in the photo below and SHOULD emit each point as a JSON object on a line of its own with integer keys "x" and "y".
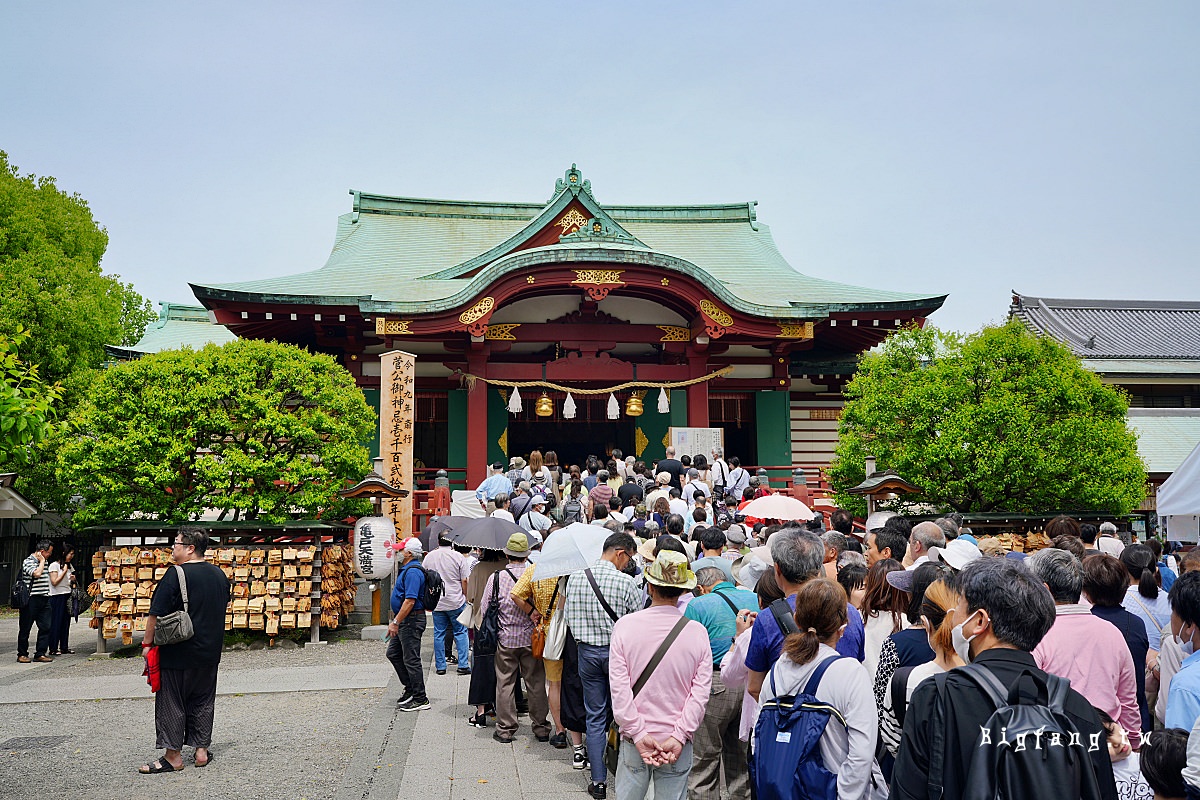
{"x": 534, "y": 520}
{"x": 957, "y": 554}
{"x": 1108, "y": 543}
{"x": 661, "y": 489}
{"x": 407, "y": 627}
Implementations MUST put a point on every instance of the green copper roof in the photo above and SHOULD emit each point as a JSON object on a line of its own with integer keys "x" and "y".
{"x": 407, "y": 255}
{"x": 177, "y": 326}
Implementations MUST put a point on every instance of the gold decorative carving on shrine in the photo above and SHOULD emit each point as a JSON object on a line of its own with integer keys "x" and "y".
{"x": 503, "y": 395}
{"x": 572, "y": 220}
{"x": 674, "y": 333}
{"x": 640, "y": 442}
{"x": 502, "y": 332}
{"x": 503, "y": 442}
{"x": 392, "y": 327}
{"x": 666, "y": 281}
{"x": 477, "y": 311}
{"x": 667, "y": 439}
{"x": 714, "y": 313}
{"x": 599, "y": 276}
{"x": 803, "y": 330}
{"x": 529, "y": 279}
{"x": 830, "y": 414}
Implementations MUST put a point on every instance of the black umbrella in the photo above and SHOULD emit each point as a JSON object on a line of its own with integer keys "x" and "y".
{"x": 436, "y": 527}
{"x": 490, "y": 533}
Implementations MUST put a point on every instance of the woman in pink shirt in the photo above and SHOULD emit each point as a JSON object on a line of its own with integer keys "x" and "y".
{"x": 658, "y": 723}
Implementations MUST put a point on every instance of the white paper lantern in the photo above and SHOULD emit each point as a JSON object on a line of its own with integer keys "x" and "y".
{"x": 374, "y": 543}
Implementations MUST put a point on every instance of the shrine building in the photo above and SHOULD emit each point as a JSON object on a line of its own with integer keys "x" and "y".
{"x": 572, "y": 296}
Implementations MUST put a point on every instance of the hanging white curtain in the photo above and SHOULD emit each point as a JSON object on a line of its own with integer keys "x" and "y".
{"x": 664, "y": 402}
{"x": 569, "y": 407}
{"x": 514, "y": 402}
{"x": 614, "y": 408}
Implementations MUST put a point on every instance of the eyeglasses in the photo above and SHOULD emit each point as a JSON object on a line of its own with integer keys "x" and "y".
{"x": 185, "y": 544}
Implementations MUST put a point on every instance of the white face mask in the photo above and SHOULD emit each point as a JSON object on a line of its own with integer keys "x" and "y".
{"x": 1185, "y": 645}
{"x": 962, "y": 645}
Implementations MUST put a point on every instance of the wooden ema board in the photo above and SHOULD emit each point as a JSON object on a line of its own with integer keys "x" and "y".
{"x": 696, "y": 441}
{"x": 273, "y": 588}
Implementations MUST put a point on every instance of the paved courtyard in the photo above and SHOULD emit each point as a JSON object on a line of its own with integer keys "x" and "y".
{"x": 318, "y": 723}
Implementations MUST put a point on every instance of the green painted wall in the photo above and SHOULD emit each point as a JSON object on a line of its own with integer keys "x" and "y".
{"x": 497, "y": 423}
{"x": 372, "y": 397}
{"x": 456, "y": 436}
{"x": 678, "y": 408}
{"x": 654, "y": 426}
{"x": 773, "y": 416}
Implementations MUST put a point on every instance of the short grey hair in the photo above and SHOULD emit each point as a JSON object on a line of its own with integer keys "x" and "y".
{"x": 1108, "y": 527}
{"x": 710, "y": 576}
{"x": 670, "y": 451}
{"x": 949, "y": 527}
{"x": 1060, "y": 571}
{"x": 929, "y": 534}
{"x": 835, "y": 540}
{"x": 851, "y": 557}
{"x": 718, "y": 452}
{"x": 798, "y": 553}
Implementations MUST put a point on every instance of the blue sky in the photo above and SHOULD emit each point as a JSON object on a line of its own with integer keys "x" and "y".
{"x": 938, "y": 147}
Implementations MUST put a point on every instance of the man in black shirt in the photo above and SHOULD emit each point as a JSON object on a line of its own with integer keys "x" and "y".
{"x": 673, "y": 467}
{"x": 1004, "y": 613}
{"x": 629, "y": 492}
{"x": 183, "y": 705}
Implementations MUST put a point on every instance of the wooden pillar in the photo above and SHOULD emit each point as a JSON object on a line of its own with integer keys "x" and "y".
{"x": 477, "y": 422}
{"x": 697, "y": 393}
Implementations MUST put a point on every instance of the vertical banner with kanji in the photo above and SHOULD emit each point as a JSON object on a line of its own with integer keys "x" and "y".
{"x": 397, "y": 406}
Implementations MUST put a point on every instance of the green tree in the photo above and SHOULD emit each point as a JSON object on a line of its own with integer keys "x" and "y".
{"x": 27, "y": 404}
{"x": 255, "y": 429}
{"x": 997, "y": 420}
{"x": 50, "y": 278}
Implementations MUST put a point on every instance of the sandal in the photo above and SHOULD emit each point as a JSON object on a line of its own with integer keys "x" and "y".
{"x": 200, "y": 764}
{"x": 159, "y": 766}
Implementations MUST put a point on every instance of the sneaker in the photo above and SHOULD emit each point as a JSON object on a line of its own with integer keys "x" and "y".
{"x": 598, "y": 791}
{"x": 477, "y": 720}
{"x": 463, "y": 670}
{"x": 404, "y": 698}
{"x": 579, "y": 758}
{"x": 559, "y": 740}
{"x": 414, "y": 704}
{"x": 451, "y": 659}
{"x": 441, "y": 672}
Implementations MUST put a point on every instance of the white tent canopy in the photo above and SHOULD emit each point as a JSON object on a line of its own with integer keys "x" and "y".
{"x": 1178, "y": 501}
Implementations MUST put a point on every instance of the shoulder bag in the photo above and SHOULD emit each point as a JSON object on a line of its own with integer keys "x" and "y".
{"x": 177, "y": 626}
{"x": 556, "y": 632}
{"x": 538, "y": 641}
{"x": 600, "y": 595}
{"x": 612, "y": 745}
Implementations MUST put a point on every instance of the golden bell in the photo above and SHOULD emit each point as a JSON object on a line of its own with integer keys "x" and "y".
{"x": 633, "y": 406}
{"x": 545, "y": 406}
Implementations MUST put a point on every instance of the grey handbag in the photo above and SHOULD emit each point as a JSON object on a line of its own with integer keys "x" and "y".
{"x": 177, "y": 626}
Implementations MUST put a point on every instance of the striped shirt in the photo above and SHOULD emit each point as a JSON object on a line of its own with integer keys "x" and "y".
{"x": 516, "y": 629}
{"x": 39, "y": 586}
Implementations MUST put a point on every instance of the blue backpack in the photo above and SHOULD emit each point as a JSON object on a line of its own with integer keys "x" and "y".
{"x": 785, "y": 755}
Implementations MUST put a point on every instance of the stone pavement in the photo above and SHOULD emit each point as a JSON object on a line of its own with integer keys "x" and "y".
{"x": 314, "y": 723}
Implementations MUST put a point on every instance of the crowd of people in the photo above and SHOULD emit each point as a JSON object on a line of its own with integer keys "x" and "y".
{"x": 897, "y": 660}
{"x": 726, "y": 655}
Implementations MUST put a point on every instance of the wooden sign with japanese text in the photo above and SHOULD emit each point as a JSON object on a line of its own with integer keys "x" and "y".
{"x": 397, "y": 406}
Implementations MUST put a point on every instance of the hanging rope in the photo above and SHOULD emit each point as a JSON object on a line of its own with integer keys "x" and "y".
{"x": 469, "y": 380}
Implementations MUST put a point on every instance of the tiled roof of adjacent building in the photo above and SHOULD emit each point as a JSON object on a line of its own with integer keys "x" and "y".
{"x": 417, "y": 255}
{"x": 1166, "y": 436}
{"x": 177, "y": 326}
{"x": 1115, "y": 329}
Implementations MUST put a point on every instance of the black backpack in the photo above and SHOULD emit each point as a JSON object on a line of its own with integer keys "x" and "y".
{"x": 434, "y": 587}
{"x": 19, "y": 599}
{"x": 572, "y": 510}
{"x": 1025, "y": 749}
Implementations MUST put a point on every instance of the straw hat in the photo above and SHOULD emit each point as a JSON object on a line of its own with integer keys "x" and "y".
{"x": 671, "y": 570}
